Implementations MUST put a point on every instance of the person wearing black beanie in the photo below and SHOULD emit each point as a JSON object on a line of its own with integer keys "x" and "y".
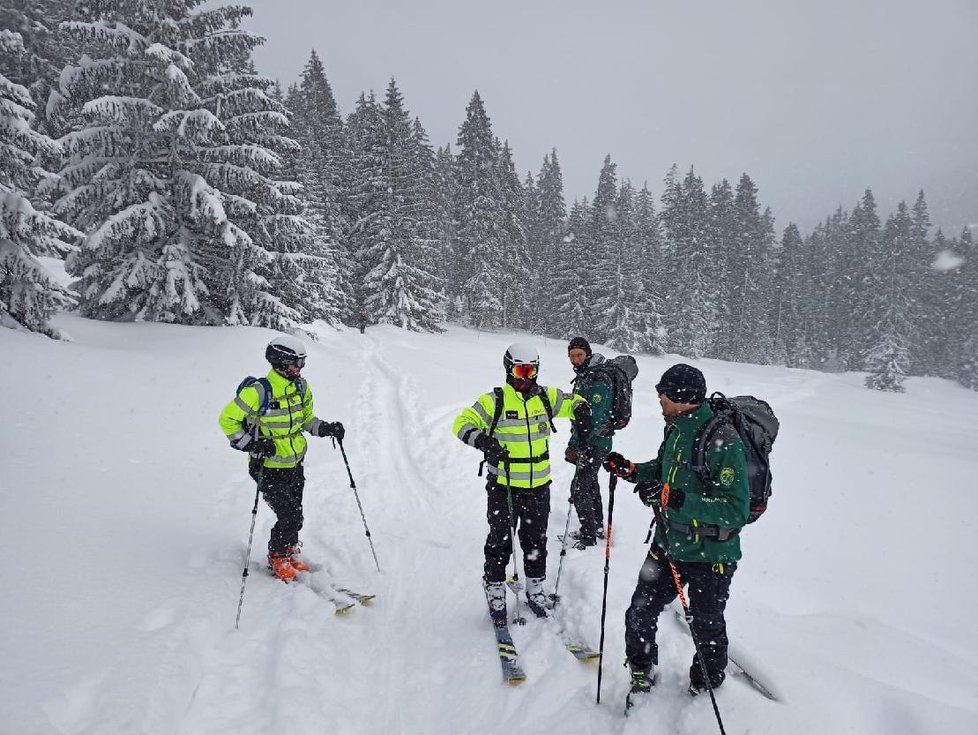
{"x": 587, "y": 451}
{"x": 699, "y": 536}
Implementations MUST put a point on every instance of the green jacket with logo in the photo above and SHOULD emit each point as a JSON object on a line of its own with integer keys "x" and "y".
{"x": 724, "y": 501}
{"x": 598, "y": 393}
{"x": 523, "y": 430}
{"x": 289, "y": 414}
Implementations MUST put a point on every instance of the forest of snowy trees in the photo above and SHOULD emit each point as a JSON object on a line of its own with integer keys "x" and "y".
{"x": 140, "y": 144}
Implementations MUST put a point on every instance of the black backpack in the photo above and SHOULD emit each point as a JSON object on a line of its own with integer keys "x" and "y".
{"x": 619, "y": 372}
{"x": 757, "y": 426}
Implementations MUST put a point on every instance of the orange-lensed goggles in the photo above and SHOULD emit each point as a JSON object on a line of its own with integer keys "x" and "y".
{"x": 523, "y": 371}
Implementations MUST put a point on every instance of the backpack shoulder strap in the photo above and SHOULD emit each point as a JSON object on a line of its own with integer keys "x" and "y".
{"x": 262, "y": 387}
{"x": 497, "y": 411}
{"x": 545, "y": 398}
{"x": 706, "y": 434}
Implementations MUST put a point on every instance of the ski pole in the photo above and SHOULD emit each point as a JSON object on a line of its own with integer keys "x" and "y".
{"x": 251, "y": 536}
{"x": 353, "y": 485}
{"x": 519, "y": 619}
{"x": 563, "y": 540}
{"x": 612, "y": 483}
{"x": 687, "y": 614}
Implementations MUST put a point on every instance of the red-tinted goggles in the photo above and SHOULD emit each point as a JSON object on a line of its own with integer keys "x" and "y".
{"x": 523, "y": 371}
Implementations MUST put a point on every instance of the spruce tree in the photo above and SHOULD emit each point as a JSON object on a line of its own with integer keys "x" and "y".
{"x": 28, "y": 296}
{"x": 963, "y": 326}
{"x": 151, "y": 153}
{"x": 478, "y": 228}
{"x": 888, "y": 359}
{"x": 516, "y": 256}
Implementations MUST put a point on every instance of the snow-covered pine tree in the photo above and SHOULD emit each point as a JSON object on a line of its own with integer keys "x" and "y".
{"x": 749, "y": 275}
{"x": 321, "y": 169}
{"x": 552, "y": 227}
{"x": 626, "y": 313}
{"x": 601, "y": 260}
{"x": 572, "y": 318}
{"x": 691, "y": 319}
{"x": 963, "y": 322}
{"x": 366, "y": 186}
{"x": 516, "y": 294}
{"x": 794, "y": 294}
{"x": 444, "y": 228}
{"x": 478, "y": 228}
{"x": 852, "y": 325}
{"x": 929, "y": 307}
{"x": 396, "y": 288}
{"x": 650, "y": 270}
{"x": 722, "y": 234}
{"x": 136, "y": 173}
{"x": 28, "y": 296}
{"x": 888, "y": 358}
{"x": 255, "y": 169}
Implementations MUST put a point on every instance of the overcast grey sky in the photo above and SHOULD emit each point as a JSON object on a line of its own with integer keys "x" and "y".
{"x": 816, "y": 100}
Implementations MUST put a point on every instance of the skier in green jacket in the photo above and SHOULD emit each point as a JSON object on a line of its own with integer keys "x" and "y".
{"x": 702, "y": 519}
{"x": 587, "y": 453}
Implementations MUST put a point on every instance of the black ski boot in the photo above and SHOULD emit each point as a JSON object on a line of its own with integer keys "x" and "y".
{"x": 642, "y": 681}
{"x": 536, "y": 599}
{"x": 496, "y": 597}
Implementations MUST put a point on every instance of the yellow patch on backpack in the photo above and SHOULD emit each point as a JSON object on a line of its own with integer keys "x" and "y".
{"x": 726, "y": 476}
{"x": 597, "y": 398}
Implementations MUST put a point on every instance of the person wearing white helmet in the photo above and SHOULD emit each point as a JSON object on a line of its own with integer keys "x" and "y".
{"x": 511, "y": 426}
{"x": 266, "y": 420}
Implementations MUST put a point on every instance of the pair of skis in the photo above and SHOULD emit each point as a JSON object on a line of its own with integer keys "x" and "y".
{"x": 509, "y": 658}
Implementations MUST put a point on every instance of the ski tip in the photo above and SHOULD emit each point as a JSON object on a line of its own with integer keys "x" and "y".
{"x": 516, "y": 679}
{"x": 344, "y": 610}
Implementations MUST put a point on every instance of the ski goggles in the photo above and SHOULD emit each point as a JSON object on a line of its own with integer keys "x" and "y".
{"x": 524, "y": 371}
{"x": 299, "y": 362}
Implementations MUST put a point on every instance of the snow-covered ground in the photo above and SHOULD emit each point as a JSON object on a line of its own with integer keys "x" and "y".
{"x": 125, "y": 518}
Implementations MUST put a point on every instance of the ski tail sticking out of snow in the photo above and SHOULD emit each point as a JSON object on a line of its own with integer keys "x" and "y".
{"x": 744, "y": 665}
{"x": 341, "y": 599}
{"x": 362, "y": 598}
{"x": 512, "y": 671}
{"x": 580, "y": 650}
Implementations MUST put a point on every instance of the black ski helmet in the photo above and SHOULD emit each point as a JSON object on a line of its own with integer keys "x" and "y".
{"x": 285, "y": 350}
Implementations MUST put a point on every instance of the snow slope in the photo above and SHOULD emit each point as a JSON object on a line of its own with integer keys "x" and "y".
{"x": 125, "y": 518}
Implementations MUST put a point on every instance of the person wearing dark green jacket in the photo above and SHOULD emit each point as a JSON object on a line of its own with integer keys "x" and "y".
{"x": 701, "y": 533}
{"x": 588, "y": 452}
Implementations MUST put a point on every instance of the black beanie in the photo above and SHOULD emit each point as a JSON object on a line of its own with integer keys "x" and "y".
{"x": 683, "y": 384}
{"x": 579, "y": 343}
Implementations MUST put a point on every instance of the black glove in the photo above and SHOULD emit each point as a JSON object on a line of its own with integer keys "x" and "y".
{"x": 495, "y": 454}
{"x": 616, "y": 463}
{"x": 570, "y": 455}
{"x": 582, "y": 419}
{"x": 261, "y": 448}
{"x": 334, "y": 429}
{"x": 652, "y": 494}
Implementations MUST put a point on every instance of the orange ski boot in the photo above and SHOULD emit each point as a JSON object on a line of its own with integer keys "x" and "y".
{"x": 282, "y": 567}
{"x": 295, "y": 561}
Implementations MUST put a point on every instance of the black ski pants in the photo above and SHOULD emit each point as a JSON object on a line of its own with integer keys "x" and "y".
{"x": 531, "y": 510}
{"x": 282, "y": 490}
{"x": 586, "y": 495}
{"x": 709, "y": 589}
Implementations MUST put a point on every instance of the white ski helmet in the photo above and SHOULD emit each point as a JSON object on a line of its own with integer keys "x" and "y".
{"x": 520, "y": 353}
{"x": 285, "y": 350}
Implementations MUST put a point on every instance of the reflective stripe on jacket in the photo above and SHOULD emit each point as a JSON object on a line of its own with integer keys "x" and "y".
{"x": 288, "y": 415}
{"x": 523, "y": 430}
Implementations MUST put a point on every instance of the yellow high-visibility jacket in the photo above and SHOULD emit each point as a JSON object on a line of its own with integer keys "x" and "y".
{"x": 523, "y": 430}
{"x": 289, "y": 414}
